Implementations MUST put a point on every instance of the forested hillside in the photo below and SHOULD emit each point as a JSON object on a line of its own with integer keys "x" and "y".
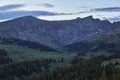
{"x": 97, "y": 58}
{"x": 92, "y": 69}
{"x": 109, "y": 42}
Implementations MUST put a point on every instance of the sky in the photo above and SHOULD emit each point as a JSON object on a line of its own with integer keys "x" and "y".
{"x": 60, "y": 9}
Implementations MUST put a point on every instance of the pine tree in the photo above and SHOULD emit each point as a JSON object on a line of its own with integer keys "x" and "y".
{"x": 116, "y": 75}
{"x": 103, "y": 76}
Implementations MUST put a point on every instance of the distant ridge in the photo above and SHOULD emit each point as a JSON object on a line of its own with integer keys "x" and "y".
{"x": 55, "y": 34}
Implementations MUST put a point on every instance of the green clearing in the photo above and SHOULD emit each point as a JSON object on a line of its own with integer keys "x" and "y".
{"x": 20, "y": 53}
{"x": 89, "y": 55}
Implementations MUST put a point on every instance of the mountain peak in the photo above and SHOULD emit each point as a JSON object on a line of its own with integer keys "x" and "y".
{"x": 27, "y": 17}
{"x": 89, "y": 17}
{"x": 77, "y": 19}
{"x": 23, "y": 19}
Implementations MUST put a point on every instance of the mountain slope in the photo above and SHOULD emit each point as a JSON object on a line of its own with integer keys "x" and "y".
{"x": 109, "y": 42}
{"x": 55, "y": 34}
{"x": 25, "y": 43}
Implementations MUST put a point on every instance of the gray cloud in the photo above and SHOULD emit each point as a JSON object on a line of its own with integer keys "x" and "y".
{"x": 107, "y": 9}
{"x": 10, "y": 7}
{"x": 9, "y": 12}
{"x": 46, "y": 5}
{"x": 15, "y": 14}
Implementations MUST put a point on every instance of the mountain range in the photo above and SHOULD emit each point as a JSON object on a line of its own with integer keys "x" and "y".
{"x": 56, "y": 34}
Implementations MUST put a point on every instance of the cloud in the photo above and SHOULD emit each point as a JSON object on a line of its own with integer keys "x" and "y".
{"x": 114, "y": 19}
{"x": 107, "y": 9}
{"x": 15, "y": 14}
{"x": 10, "y": 7}
{"x": 46, "y": 5}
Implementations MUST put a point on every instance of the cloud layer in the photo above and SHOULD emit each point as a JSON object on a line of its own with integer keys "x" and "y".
{"x": 11, "y": 11}
{"x": 114, "y": 19}
{"x": 11, "y": 7}
{"x": 15, "y": 14}
{"x": 107, "y": 9}
{"x": 46, "y": 5}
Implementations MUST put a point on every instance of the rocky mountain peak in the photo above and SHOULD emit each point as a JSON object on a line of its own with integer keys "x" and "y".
{"x": 89, "y": 17}
{"x": 27, "y": 18}
{"x": 55, "y": 34}
{"x": 78, "y": 18}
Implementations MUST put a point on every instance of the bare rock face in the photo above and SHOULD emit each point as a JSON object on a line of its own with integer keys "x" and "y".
{"x": 55, "y": 34}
